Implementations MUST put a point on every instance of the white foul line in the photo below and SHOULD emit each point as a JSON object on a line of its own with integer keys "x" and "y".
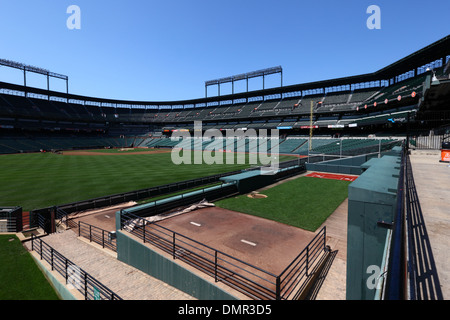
{"x": 248, "y": 242}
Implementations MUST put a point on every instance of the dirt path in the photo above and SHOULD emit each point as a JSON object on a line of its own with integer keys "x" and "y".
{"x": 125, "y": 153}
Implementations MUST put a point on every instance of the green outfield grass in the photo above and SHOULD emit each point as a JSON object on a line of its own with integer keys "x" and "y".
{"x": 305, "y": 202}
{"x": 35, "y": 181}
{"x": 20, "y": 277}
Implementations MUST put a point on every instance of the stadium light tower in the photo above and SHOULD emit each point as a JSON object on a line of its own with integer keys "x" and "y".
{"x": 311, "y": 125}
{"x": 244, "y": 76}
{"x": 27, "y": 68}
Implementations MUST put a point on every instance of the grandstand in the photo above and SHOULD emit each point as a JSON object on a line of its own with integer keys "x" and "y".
{"x": 347, "y": 120}
{"x": 346, "y": 106}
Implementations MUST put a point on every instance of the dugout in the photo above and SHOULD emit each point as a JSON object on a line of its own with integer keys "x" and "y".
{"x": 249, "y": 181}
{"x": 350, "y": 165}
{"x": 372, "y": 203}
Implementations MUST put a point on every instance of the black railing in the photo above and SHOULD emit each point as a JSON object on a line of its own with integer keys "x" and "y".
{"x": 411, "y": 271}
{"x": 97, "y": 235}
{"x": 423, "y": 279}
{"x": 165, "y": 205}
{"x": 74, "y": 276}
{"x": 248, "y": 279}
{"x": 293, "y": 278}
{"x": 11, "y": 218}
{"x": 395, "y": 288}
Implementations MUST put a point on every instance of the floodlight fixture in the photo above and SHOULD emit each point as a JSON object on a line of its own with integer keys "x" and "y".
{"x": 28, "y": 68}
{"x": 244, "y": 76}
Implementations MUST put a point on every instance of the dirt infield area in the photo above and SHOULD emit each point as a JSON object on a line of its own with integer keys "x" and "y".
{"x": 267, "y": 244}
{"x": 114, "y": 152}
{"x": 104, "y": 218}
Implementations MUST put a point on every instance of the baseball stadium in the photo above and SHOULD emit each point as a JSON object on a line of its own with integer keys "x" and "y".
{"x": 355, "y": 208}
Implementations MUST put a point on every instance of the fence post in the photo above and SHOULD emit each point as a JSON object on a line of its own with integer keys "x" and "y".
{"x": 85, "y": 286}
{"x": 278, "y": 289}
{"x": 307, "y": 260}
{"x": 173, "y": 245}
{"x": 143, "y": 230}
{"x": 79, "y": 228}
{"x": 51, "y": 253}
{"x": 215, "y": 266}
{"x": 66, "y": 276}
{"x": 40, "y": 247}
{"x": 103, "y": 238}
{"x": 379, "y": 149}
{"x": 90, "y": 233}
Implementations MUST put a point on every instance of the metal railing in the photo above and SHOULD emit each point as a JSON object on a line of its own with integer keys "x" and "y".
{"x": 164, "y": 205}
{"x": 97, "y": 235}
{"x": 423, "y": 280}
{"x": 74, "y": 276}
{"x": 248, "y": 279}
{"x": 430, "y": 142}
{"x": 293, "y": 278}
{"x": 7, "y": 224}
{"x": 10, "y": 219}
{"x": 395, "y": 286}
{"x": 411, "y": 271}
{"x": 378, "y": 148}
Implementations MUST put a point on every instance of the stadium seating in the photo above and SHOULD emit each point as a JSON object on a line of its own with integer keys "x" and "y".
{"x": 21, "y": 143}
{"x": 33, "y": 122}
{"x": 291, "y": 144}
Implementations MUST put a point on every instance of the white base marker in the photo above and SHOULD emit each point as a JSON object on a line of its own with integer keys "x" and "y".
{"x": 248, "y": 242}
{"x": 196, "y": 224}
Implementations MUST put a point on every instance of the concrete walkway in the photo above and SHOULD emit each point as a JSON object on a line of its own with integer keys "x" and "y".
{"x": 432, "y": 180}
{"x": 126, "y": 281}
{"x": 332, "y": 284}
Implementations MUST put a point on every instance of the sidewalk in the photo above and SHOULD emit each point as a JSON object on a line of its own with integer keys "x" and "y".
{"x": 432, "y": 179}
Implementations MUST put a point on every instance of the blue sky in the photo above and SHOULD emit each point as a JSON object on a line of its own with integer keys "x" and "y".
{"x": 166, "y": 50}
